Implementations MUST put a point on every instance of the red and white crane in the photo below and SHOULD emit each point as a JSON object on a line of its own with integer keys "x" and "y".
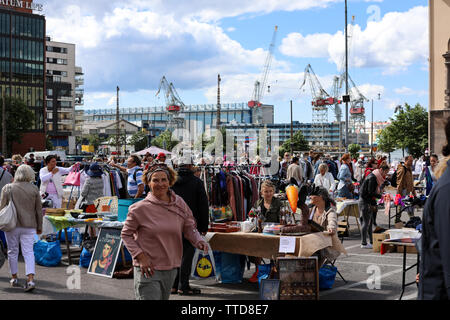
{"x": 174, "y": 105}
{"x": 260, "y": 85}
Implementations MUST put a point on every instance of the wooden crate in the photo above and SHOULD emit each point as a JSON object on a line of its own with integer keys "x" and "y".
{"x": 299, "y": 278}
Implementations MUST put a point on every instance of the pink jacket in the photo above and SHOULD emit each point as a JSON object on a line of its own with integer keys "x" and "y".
{"x": 156, "y": 228}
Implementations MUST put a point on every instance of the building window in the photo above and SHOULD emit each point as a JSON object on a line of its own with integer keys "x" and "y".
{"x": 56, "y": 49}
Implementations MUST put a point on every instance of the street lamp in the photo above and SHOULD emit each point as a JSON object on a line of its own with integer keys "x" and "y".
{"x": 371, "y": 128}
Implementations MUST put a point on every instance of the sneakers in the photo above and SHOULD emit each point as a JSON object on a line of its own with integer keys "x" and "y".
{"x": 14, "y": 282}
{"x": 366, "y": 246}
{"x": 30, "y": 286}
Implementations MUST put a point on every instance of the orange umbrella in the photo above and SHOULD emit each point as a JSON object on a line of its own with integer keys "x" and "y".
{"x": 292, "y": 195}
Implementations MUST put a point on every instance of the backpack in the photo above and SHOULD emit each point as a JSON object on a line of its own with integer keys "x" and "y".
{"x": 146, "y": 187}
{"x": 332, "y": 168}
{"x": 394, "y": 178}
{"x": 134, "y": 174}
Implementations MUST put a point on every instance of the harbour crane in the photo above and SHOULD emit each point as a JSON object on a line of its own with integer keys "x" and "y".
{"x": 174, "y": 105}
{"x": 260, "y": 85}
{"x": 321, "y": 101}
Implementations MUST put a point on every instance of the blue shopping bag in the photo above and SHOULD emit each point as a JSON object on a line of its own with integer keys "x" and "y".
{"x": 85, "y": 258}
{"x": 263, "y": 272}
{"x": 327, "y": 276}
{"x": 47, "y": 254}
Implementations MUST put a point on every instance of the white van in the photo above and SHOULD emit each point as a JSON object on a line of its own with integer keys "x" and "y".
{"x": 41, "y": 155}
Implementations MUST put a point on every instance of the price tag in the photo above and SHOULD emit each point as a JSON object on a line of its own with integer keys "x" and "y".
{"x": 287, "y": 244}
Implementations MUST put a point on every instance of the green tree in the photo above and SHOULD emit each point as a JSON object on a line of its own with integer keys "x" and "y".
{"x": 48, "y": 143}
{"x": 95, "y": 140}
{"x": 139, "y": 140}
{"x": 410, "y": 129}
{"x": 386, "y": 141}
{"x": 299, "y": 143}
{"x": 353, "y": 149}
{"x": 164, "y": 141}
{"x": 19, "y": 119}
{"x": 121, "y": 137}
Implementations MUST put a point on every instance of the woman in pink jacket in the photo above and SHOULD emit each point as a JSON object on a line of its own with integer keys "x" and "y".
{"x": 153, "y": 233}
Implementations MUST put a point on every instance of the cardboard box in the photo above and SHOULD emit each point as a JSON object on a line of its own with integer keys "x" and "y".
{"x": 377, "y": 238}
{"x": 408, "y": 249}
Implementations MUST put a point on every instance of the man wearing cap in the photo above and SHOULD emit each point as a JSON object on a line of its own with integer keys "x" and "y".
{"x": 191, "y": 190}
{"x": 161, "y": 158}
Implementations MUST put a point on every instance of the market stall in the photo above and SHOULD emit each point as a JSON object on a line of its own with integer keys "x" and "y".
{"x": 267, "y": 246}
{"x": 348, "y": 208}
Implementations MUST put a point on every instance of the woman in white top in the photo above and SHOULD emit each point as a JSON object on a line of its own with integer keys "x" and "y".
{"x": 325, "y": 179}
{"x": 51, "y": 180}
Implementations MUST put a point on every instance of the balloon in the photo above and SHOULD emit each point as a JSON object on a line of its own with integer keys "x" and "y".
{"x": 292, "y": 195}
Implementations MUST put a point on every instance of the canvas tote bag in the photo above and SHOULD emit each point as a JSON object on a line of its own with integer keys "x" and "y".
{"x": 8, "y": 215}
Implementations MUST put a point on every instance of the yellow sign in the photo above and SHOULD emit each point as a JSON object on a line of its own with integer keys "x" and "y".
{"x": 87, "y": 148}
{"x": 204, "y": 268}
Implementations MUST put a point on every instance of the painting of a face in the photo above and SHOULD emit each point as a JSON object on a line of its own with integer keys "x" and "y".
{"x": 106, "y": 250}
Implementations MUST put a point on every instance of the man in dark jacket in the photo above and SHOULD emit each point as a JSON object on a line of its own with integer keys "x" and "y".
{"x": 191, "y": 189}
{"x": 367, "y": 202}
{"x": 369, "y": 193}
{"x": 434, "y": 281}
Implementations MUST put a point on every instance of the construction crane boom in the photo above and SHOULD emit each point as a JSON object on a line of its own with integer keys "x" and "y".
{"x": 319, "y": 95}
{"x": 173, "y": 101}
{"x": 260, "y": 85}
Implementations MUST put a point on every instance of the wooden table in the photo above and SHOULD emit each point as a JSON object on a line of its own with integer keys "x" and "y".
{"x": 348, "y": 209}
{"x": 267, "y": 246}
{"x": 405, "y": 269}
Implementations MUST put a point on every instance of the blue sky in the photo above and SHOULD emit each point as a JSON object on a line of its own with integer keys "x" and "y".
{"x": 134, "y": 43}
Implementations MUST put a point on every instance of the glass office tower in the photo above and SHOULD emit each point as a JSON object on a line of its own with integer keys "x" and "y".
{"x": 22, "y": 69}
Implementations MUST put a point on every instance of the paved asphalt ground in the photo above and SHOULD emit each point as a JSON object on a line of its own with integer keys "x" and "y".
{"x": 51, "y": 283}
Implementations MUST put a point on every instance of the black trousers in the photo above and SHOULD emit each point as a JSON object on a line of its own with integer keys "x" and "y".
{"x": 184, "y": 272}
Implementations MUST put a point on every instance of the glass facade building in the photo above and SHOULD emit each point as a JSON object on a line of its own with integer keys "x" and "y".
{"x": 22, "y": 65}
{"x": 202, "y": 116}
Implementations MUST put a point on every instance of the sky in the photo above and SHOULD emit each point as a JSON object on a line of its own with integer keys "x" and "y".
{"x": 133, "y": 44}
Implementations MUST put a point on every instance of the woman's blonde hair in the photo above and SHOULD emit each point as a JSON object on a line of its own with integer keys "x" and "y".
{"x": 172, "y": 174}
{"x": 323, "y": 166}
{"x": 267, "y": 184}
{"x": 17, "y": 158}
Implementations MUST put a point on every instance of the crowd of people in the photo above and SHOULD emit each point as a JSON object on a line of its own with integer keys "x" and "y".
{"x": 162, "y": 231}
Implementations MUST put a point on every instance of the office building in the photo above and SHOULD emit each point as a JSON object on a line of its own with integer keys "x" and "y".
{"x": 195, "y": 117}
{"x": 22, "y": 66}
{"x": 64, "y": 81}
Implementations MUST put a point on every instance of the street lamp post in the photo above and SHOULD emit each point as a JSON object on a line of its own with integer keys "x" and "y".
{"x": 371, "y": 130}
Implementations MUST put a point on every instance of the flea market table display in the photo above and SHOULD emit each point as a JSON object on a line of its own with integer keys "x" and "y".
{"x": 294, "y": 240}
{"x": 60, "y": 220}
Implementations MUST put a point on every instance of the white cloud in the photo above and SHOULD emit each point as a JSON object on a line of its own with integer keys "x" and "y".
{"x": 395, "y": 42}
{"x": 371, "y": 91}
{"x": 231, "y": 29}
{"x": 409, "y": 92}
{"x": 147, "y": 45}
{"x": 309, "y": 46}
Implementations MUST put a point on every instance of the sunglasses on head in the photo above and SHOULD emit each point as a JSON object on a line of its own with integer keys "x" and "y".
{"x": 157, "y": 166}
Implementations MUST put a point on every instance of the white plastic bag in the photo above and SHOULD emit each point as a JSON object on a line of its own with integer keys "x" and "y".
{"x": 203, "y": 265}
{"x": 8, "y": 215}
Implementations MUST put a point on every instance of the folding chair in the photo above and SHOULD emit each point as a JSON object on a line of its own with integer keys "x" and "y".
{"x": 342, "y": 232}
